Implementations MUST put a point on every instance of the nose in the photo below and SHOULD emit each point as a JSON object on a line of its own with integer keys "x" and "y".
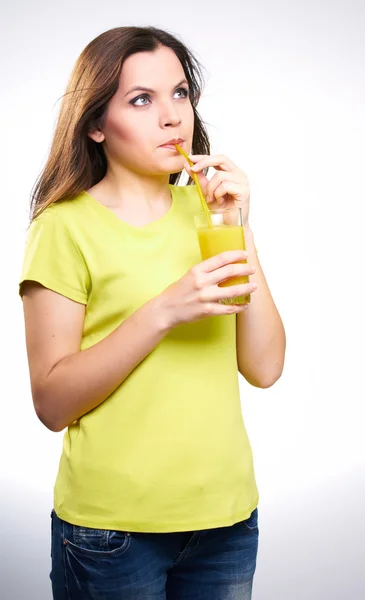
{"x": 169, "y": 115}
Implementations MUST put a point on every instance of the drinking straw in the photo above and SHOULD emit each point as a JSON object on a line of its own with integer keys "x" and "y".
{"x": 198, "y": 186}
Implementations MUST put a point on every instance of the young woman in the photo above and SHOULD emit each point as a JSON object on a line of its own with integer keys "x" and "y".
{"x": 128, "y": 344}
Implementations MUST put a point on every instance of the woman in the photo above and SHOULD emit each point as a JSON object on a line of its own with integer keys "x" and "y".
{"x": 128, "y": 344}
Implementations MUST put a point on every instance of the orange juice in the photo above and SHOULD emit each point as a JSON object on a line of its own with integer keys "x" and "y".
{"x": 219, "y": 238}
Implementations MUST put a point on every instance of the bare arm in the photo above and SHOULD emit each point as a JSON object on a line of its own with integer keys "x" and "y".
{"x": 261, "y": 340}
{"x": 65, "y": 382}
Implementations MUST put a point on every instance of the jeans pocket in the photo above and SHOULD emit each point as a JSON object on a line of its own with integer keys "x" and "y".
{"x": 96, "y": 543}
{"x": 251, "y": 524}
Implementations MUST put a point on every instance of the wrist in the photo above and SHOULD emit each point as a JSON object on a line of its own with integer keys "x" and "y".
{"x": 162, "y": 315}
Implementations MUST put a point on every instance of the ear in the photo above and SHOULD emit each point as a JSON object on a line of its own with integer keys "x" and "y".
{"x": 96, "y": 135}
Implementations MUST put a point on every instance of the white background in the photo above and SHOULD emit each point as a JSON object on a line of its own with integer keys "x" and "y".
{"x": 285, "y": 99}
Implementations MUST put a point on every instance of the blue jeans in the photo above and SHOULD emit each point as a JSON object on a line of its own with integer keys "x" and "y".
{"x": 100, "y": 564}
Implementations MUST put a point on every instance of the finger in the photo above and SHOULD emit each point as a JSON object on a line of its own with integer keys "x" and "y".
{"x": 211, "y": 158}
{"x": 222, "y": 259}
{"x": 189, "y": 168}
{"x": 215, "y": 182}
{"x": 229, "y": 271}
{"x": 227, "y": 187}
{"x": 215, "y": 293}
{"x": 219, "y": 161}
{"x": 217, "y": 309}
{"x": 203, "y": 181}
{"x": 235, "y": 291}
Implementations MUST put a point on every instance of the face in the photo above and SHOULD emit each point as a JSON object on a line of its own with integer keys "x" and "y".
{"x": 138, "y": 121}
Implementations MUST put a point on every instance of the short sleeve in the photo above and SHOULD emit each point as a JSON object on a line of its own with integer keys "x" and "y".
{"x": 53, "y": 259}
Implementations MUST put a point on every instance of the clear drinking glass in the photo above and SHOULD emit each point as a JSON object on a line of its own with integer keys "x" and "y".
{"x": 226, "y": 232}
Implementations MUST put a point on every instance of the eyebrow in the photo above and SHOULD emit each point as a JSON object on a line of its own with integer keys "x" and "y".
{"x": 146, "y": 89}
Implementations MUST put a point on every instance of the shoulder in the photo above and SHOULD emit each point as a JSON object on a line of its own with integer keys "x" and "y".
{"x": 59, "y": 224}
{"x": 52, "y": 255}
{"x": 61, "y": 219}
{"x": 65, "y": 210}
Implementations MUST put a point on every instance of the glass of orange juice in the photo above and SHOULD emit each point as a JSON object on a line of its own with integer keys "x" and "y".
{"x": 224, "y": 232}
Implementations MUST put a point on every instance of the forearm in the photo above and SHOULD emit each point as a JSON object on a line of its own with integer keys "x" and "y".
{"x": 80, "y": 382}
{"x": 261, "y": 339}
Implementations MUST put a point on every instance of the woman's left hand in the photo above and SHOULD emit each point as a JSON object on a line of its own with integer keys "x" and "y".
{"x": 227, "y": 188}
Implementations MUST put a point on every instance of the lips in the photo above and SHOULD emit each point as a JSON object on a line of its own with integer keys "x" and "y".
{"x": 171, "y": 143}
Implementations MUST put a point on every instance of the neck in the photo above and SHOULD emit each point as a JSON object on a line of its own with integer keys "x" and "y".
{"x": 128, "y": 189}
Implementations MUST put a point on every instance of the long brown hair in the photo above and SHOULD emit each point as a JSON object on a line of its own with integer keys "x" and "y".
{"x": 75, "y": 161}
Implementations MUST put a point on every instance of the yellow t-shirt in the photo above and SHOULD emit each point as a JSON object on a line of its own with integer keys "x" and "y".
{"x": 168, "y": 449}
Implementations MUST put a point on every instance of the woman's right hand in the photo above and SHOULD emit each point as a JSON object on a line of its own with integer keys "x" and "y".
{"x": 195, "y": 296}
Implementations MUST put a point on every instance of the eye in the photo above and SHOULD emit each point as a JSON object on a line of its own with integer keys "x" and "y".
{"x": 135, "y": 100}
{"x": 184, "y": 91}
